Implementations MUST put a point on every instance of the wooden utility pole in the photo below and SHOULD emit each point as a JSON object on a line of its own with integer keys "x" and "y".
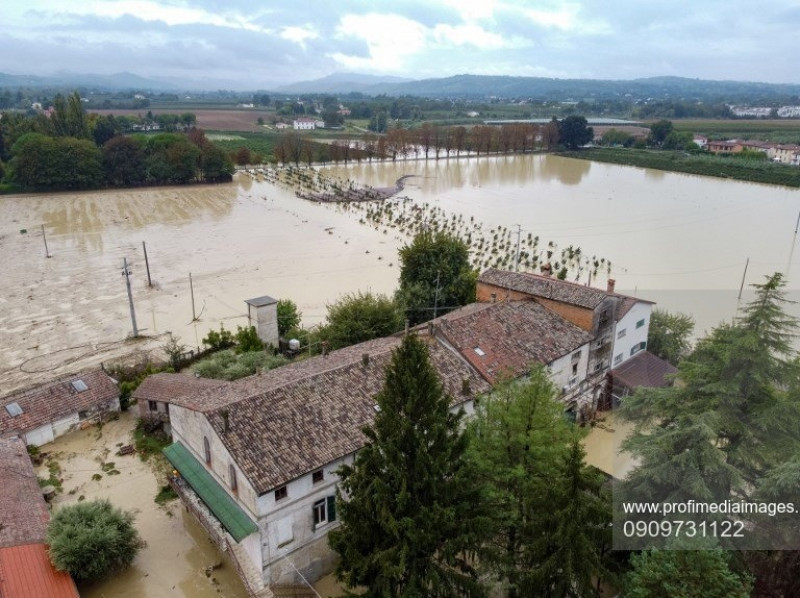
{"x": 126, "y": 273}
{"x": 147, "y": 265}
{"x": 191, "y": 290}
{"x": 47, "y": 251}
{"x": 436, "y": 296}
{"x": 516, "y": 257}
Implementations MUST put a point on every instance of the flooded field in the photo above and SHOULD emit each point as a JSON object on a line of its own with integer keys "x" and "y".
{"x": 669, "y": 235}
{"x": 179, "y": 559}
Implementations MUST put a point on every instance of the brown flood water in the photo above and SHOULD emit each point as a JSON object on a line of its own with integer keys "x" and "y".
{"x": 178, "y": 551}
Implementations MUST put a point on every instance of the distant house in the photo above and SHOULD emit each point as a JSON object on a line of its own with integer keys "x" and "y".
{"x": 46, "y": 412}
{"x": 724, "y": 147}
{"x": 25, "y": 568}
{"x": 785, "y": 154}
{"x": 303, "y": 124}
{"x": 281, "y": 126}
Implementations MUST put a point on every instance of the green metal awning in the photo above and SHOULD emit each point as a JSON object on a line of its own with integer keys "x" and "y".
{"x": 230, "y": 515}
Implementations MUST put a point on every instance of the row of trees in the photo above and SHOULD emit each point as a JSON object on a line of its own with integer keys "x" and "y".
{"x": 41, "y": 162}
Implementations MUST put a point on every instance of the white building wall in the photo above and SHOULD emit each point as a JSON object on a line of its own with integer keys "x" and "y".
{"x": 189, "y": 427}
{"x": 563, "y": 374}
{"x": 39, "y": 436}
{"x": 628, "y": 336}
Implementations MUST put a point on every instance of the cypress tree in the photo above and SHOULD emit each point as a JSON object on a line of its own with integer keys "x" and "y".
{"x": 407, "y": 504}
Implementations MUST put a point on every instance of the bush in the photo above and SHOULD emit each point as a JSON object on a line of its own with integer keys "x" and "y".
{"x": 92, "y": 540}
{"x": 219, "y": 340}
{"x": 288, "y": 316}
{"x": 228, "y": 365}
{"x": 247, "y": 340}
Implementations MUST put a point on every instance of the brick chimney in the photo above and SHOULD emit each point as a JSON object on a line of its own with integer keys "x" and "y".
{"x": 547, "y": 269}
{"x": 611, "y": 283}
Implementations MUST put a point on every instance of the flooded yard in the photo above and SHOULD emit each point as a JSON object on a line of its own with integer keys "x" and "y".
{"x": 179, "y": 559}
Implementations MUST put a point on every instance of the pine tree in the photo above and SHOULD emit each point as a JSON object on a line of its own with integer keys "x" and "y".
{"x": 728, "y": 429}
{"x": 549, "y": 519}
{"x": 408, "y": 504}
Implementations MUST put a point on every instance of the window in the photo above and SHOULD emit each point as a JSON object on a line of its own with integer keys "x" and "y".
{"x": 317, "y": 476}
{"x": 13, "y": 409}
{"x": 621, "y": 333}
{"x": 166, "y": 408}
{"x": 576, "y": 356}
{"x": 152, "y": 405}
{"x": 618, "y": 359}
{"x": 479, "y": 351}
{"x": 207, "y": 450}
{"x": 82, "y": 415}
{"x": 232, "y": 475}
{"x": 79, "y": 385}
{"x": 640, "y": 323}
{"x": 281, "y": 493}
{"x": 574, "y": 369}
{"x": 324, "y": 511}
{"x": 636, "y": 348}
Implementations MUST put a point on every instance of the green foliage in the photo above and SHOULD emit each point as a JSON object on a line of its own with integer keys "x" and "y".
{"x": 288, "y": 316}
{"x": 219, "y": 340}
{"x": 165, "y": 494}
{"x": 230, "y": 365}
{"x": 728, "y": 428}
{"x": 360, "y": 317}
{"x": 435, "y": 276}
{"x": 659, "y": 131}
{"x": 411, "y": 508}
{"x": 174, "y": 349}
{"x": 92, "y": 540}
{"x": 247, "y": 340}
{"x": 41, "y": 162}
{"x": 754, "y": 171}
{"x": 616, "y": 137}
{"x": 681, "y": 573}
{"x": 549, "y": 518}
{"x": 124, "y": 161}
{"x": 149, "y": 438}
{"x": 573, "y": 132}
{"x": 669, "y": 335}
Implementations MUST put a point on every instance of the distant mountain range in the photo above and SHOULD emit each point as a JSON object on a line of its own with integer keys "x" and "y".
{"x": 458, "y": 86}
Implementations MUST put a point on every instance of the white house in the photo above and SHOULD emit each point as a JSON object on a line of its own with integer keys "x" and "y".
{"x": 303, "y": 124}
{"x": 258, "y": 457}
{"x": 46, "y": 412}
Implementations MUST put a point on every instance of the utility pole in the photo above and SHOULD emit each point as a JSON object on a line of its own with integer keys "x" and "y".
{"x": 126, "y": 273}
{"x": 794, "y": 242}
{"x": 436, "y": 296}
{"x": 147, "y": 265}
{"x": 191, "y": 290}
{"x": 516, "y": 257}
{"x": 47, "y": 251}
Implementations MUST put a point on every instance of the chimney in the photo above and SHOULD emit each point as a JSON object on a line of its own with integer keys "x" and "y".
{"x": 365, "y": 359}
{"x": 494, "y": 297}
{"x": 547, "y": 269}
{"x": 225, "y": 417}
{"x": 611, "y": 283}
{"x": 431, "y": 329}
{"x": 324, "y": 348}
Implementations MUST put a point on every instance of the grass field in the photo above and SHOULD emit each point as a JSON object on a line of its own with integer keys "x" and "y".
{"x": 778, "y": 130}
{"x": 754, "y": 171}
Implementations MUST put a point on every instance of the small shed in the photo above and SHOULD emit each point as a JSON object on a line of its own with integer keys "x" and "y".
{"x": 262, "y": 312}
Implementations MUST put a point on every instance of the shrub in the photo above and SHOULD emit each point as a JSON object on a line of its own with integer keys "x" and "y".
{"x": 92, "y": 540}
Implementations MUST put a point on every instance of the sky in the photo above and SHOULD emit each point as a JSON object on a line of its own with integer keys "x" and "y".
{"x": 260, "y": 44}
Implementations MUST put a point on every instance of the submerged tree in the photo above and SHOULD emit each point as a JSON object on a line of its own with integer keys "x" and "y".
{"x": 408, "y": 505}
{"x": 435, "y": 275}
{"x": 92, "y": 540}
{"x": 669, "y": 335}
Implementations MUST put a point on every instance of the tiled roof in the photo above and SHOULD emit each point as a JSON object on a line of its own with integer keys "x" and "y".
{"x": 166, "y": 387}
{"x": 23, "y": 512}
{"x": 48, "y": 403}
{"x": 505, "y": 338}
{"x": 26, "y": 572}
{"x": 643, "y": 369}
{"x": 311, "y": 413}
{"x": 546, "y": 287}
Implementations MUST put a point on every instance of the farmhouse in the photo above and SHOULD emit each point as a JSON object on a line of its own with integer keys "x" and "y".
{"x": 257, "y": 458}
{"x": 46, "y": 412}
{"x": 25, "y": 568}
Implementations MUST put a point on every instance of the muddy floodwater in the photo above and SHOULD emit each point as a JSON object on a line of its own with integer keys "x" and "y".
{"x": 179, "y": 559}
{"x": 678, "y": 239}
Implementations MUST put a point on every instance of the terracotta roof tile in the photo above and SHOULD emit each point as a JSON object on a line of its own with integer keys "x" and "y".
{"x": 23, "y": 512}
{"x": 171, "y": 387}
{"x": 505, "y": 338}
{"x": 26, "y": 572}
{"x": 546, "y": 287}
{"x": 47, "y": 403}
{"x": 313, "y": 413}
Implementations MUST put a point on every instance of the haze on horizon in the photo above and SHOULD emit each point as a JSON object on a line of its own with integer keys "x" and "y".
{"x": 250, "y": 45}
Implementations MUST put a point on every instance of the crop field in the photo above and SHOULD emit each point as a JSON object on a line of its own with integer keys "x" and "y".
{"x": 215, "y": 120}
{"x": 777, "y": 130}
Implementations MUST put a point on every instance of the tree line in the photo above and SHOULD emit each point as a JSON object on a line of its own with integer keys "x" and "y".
{"x": 72, "y": 150}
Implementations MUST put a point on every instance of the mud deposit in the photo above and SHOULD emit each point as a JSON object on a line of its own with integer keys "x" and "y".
{"x": 179, "y": 560}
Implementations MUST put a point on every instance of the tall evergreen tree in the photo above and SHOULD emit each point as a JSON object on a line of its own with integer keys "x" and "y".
{"x": 549, "y": 519}
{"x": 408, "y": 504}
{"x": 729, "y": 428}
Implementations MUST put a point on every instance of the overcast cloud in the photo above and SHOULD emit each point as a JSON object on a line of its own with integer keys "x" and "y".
{"x": 262, "y": 44}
